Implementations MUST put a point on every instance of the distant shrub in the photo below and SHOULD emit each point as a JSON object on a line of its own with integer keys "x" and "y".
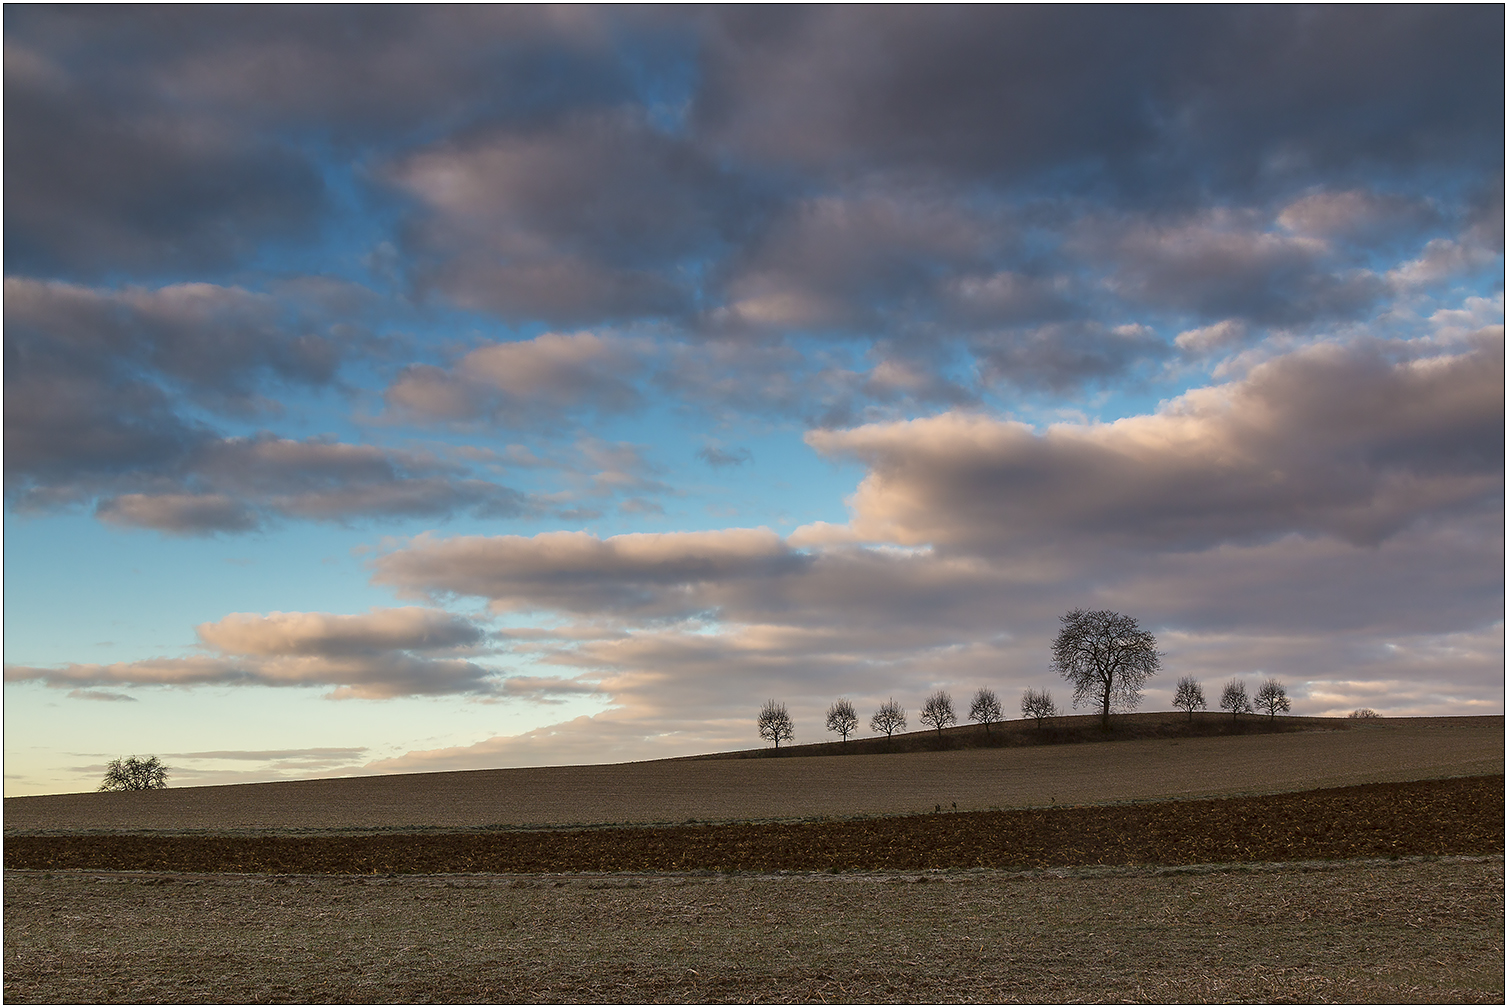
{"x": 1363, "y": 712}
{"x": 132, "y": 774}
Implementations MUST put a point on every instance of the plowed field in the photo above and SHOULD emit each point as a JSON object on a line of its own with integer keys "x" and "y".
{"x": 1459, "y": 816}
{"x": 1393, "y": 932}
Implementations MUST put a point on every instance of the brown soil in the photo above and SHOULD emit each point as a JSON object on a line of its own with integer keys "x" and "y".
{"x": 1396, "y": 932}
{"x": 1457, "y": 816}
{"x": 1389, "y": 749}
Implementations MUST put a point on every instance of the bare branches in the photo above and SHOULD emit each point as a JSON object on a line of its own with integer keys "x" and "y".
{"x": 1038, "y": 705}
{"x": 890, "y": 718}
{"x": 1272, "y": 698}
{"x": 1234, "y": 699}
{"x": 842, "y": 718}
{"x": 937, "y": 711}
{"x": 132, "y": 774}
{"x": 1106, "y": 657}
{"x": 1189, "y": 696}
{"x": 986, "y": 708}
{"x": 775, "y": 723}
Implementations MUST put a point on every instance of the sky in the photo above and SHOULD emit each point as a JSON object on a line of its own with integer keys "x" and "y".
{"x": 413, "y": 388}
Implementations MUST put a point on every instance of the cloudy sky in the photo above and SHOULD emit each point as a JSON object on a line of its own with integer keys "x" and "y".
{"x": 414, "y": 388}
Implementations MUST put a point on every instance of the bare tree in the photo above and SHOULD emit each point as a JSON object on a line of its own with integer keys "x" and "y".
{"x": 986, "y": 708}
{"x": 937, "y": 712}
{"x": 1234, "y": 699}
{"x": 842, "y": 718}
{"x": 1363, "y": 712}
{"x": 775, "y": 723}
{"x": 890, "y": 718}
{"x": 1038, "y": 705}
{"x": 1189, "y": 696}
{"x": 1106, "y": 657}
{"x": 132, "y": 774}
{"x": 1272, "y": 697}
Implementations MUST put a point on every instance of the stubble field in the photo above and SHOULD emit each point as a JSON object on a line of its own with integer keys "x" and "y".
{"x": 831, "y": 886}
{"x": 1389, "y": 932}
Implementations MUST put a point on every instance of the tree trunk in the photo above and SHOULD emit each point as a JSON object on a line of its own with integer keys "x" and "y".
{"x": 1105, "y": 710}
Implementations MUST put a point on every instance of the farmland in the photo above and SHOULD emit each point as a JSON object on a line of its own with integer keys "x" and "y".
{"x": 1360, "y": 863}
{"x": 738, "y": 790}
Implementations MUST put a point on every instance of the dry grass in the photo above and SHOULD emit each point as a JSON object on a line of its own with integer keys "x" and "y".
{"x": 729, "y": 790}
{"x": 1396, "y": 932}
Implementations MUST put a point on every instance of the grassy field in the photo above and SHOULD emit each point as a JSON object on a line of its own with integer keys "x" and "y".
{"x": 825, "y": 878}
{"x": 877, "y": 784}
{"x": 1389, "y": 932}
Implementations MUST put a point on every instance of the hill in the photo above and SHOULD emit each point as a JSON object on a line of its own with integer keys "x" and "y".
{"x": 732, "y": 789}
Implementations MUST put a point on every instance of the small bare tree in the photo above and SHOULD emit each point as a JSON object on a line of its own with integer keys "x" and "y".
{"x": 1189, "y": 696}
{"x": 1272, "y": 698}
{"x": 1106, "y": 657}
{"x": 1363, "y": 712}
{"x": 775, "y": 723}
{"x": 986, "y": 708}
{"x": 890, "y": 718}
{"x": 1038, "y": 705}
{"x": 937, "y": 712}
{"x": 842, "y": 718}
{"x": 1234, "y": 699}
{"x": 132, "y": 774}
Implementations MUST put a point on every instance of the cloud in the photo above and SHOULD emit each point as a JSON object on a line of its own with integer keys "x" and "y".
{"x": 384, "y": 653}
{"x": 643, "y": 574}
{"x": 593, "y": 218}
{"x": 1150, "y": 104}
{"x": 83, "y": 694}
{"x": 1220, "y": 265}
{"x": 719, "y": 458}
{"x": 237, "y": 484}
{"x": 108, "y": 183}
{"x": 1330, "y": 439}
{"x": 525, "y": 383}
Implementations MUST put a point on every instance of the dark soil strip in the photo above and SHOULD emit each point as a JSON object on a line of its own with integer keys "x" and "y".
{"x": 1457, "y": 816}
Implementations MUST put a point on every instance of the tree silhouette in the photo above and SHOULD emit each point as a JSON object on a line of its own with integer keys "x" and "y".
{"x": 937, "y": 712}
{"x": 842, "y": 718}
{"x": 1106, "y": 657}
{"x": 1189, "y": 696}
{"x": 132, "y": 774}
{"x": 1038, "y": 705}
{"x": 889, "y": 718}
{"x": 775, "y": 723}
{"x": 1272, "y": 697}
{"x": 986, "y": 708}
{"x": 1234, "y": 699}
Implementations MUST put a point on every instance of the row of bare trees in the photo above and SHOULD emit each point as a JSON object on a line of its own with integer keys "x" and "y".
{"x": 1271, "y": 698}
{"x": 1105, "y": 656}
{"x": 938, "y": 712}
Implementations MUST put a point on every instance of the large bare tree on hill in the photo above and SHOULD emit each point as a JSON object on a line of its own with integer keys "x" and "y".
{"x": 1106, "y": 657}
